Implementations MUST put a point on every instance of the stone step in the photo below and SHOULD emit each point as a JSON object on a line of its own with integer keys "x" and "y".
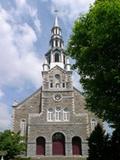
{"x": 59, "y": 158}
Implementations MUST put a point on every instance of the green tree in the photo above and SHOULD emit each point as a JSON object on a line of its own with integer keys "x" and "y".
{"x": 115, "y": 143}
{"x": 98, "y": 144}
{"x": 95, "y": 46}
{"x": 12, "y": 143}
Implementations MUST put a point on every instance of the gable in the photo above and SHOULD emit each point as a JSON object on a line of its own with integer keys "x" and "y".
{"x": 79, "y": 102}
{"x": 30, "y": 100}
{"x": 58, "y": 69}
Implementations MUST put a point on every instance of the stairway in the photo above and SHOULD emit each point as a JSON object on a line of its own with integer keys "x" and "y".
{"x": 59, "y": 158}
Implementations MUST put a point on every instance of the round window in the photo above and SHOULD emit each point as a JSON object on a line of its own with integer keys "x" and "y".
{"x": 57, "y": 97}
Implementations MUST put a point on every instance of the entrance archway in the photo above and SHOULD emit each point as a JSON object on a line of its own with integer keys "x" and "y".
{"x": 58, "y": 144}
{"x": 76, "y": 146}
{"x": 40, "y": 146}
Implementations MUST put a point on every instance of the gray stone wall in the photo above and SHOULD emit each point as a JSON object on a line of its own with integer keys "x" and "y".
{"x": 34, "y": 111}
{"x": 47, "y": 131}
{"x": 30, "y": 105}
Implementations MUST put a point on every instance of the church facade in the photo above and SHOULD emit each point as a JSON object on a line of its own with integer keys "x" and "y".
{"x": 53, "y": 119}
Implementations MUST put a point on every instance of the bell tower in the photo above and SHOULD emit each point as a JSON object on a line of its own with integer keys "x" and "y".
{"x": 56, "y": 55}
{"x": 56, "y": 68}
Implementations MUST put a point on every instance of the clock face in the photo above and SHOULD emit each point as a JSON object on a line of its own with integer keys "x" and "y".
{"x": 57, "y": 97}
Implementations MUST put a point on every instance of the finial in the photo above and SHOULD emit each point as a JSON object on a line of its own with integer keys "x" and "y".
{"x": 15, "y": 103}
{"x": 56, "y": 18}
{"x": 45, "y": 62}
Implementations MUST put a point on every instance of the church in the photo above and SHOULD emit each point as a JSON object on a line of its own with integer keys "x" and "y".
{"x": 54, "y": 120}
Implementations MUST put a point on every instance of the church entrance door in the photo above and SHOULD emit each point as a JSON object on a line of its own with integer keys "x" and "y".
{"x": 76, "y": 146}
{"x": 58, "y": 144}
{"x": 40, "y": 146}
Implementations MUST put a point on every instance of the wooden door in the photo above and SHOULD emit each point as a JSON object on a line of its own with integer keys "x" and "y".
{"x": 76, "y": 146}
{"x": 40, "y": 146}
{"x": 58, "y": 144}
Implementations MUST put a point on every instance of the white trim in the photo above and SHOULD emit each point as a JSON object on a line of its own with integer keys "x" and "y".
{"x": 13, "y": 119}
{"x": 58, "y": 115}
{"x": 66, "y": 115}
{"x": 93, "y": 123}
{"x": 50, "y": 115}
{"x": 22, "y": 127}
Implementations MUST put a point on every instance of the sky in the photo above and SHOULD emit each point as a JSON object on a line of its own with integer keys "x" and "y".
{"x": 25, "y": 27}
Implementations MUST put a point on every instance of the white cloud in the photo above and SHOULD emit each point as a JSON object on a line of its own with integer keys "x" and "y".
{"x": 19, "y": 63}
{"x": 18, "y": 60}
{"x": 5, "y": 117}
{"x": 76, "y": 81}
{"x": 20, "y": 3}
{"x": 1, "y": 93}
{"x": 23, "y": 8}
{"x": 71, "y": 8}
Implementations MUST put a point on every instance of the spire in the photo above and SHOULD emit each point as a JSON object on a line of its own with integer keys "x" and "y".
{"x": 56, "y": 54}
{"x": 56, "y": 40}
{"x": 56, "y": 19}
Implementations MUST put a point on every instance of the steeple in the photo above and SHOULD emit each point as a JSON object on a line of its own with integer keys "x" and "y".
{"x": 56, "y": 22}
{"x": 56, "y": 54}
{"x": 56, "y": 35}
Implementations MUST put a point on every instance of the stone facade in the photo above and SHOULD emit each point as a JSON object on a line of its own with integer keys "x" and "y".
{"x": 57, "y": 107}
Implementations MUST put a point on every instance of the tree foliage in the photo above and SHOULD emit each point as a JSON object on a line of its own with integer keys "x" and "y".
{"x": 95, "y": 45}
{"x": 98, "y": 144}
{"x": 12, "y": 143}
{"x": 115, "y": 144}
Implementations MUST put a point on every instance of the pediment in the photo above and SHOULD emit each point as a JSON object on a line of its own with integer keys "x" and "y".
{"x": 57, "y": 68}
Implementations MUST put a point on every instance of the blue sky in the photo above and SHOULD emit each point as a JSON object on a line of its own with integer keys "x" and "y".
{"x": 24, "y": 39}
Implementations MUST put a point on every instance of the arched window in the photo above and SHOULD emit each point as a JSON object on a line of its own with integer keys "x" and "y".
{"x": 40, "y": 146}
{"x": 23, "y": 127}
{"x": 50, "y": 114}
{"x": 63, "y": 84}
{"x": 57, "y": 85}
{"x": 66, "y": 115}
{"x": 58, "y": 144}
{"x": 57, "y": 80}
{"x": 57, "y": 76}
{"x": 51, "y": 84}
{"x": 58, "y": 114}
{"x": 57, "y": 58}
{"x": 76, "y": 146}
{"x": 64, "y": 59}
{"x": 93, "y": 123}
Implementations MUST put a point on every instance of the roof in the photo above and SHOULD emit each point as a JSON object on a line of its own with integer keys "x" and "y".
{"x": 28, "y": 97}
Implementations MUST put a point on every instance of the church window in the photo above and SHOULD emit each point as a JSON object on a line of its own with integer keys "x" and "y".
{"x": 93, "y": 123}
{"x": 58, "y": 114}
{"x": 50, "y": 114}
{"x": 52, "y": 44}
{"x": 49, "y": 59}
{"x": 60, "y": 44}
{"x": 57, "y": 97}
{"x": 57, "y": 57}
{"x": 57, "y": 76}
{"x": 54, "y": 31}
{"x": 57, "y": 30}
{"x": 64, "y": 59}
{"x": 63, "y": 85}
{"x": 51, "y": 85}
{"x": 67, "y": 84}
{"x": 66, "y": 115}
{"x": 22, "y": 127}
{"x": 57, "y": 85}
